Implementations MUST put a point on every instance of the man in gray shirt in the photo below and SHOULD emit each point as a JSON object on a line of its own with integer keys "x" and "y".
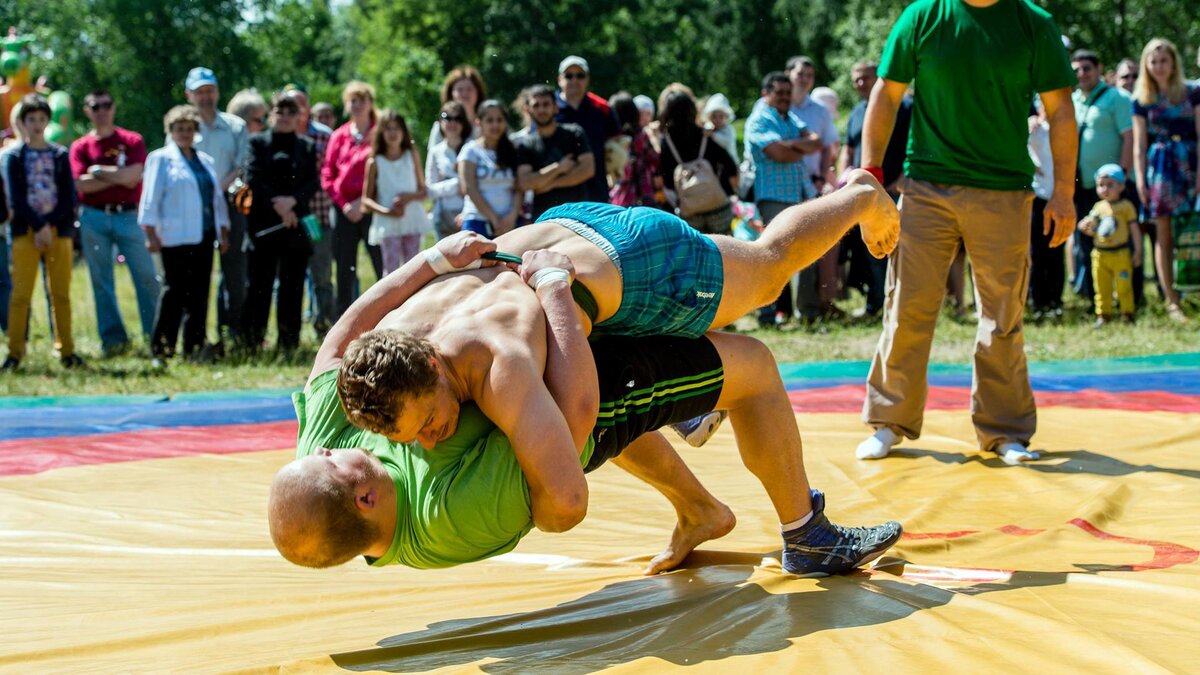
{"x": 224, "y": 138}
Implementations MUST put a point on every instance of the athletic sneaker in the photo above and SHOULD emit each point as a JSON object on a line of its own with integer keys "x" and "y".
{"x": 819, "y": 548}
{"x": 698, "y": 430}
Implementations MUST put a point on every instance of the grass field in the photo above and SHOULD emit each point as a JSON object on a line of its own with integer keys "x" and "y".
{"x": 42, "y": 375}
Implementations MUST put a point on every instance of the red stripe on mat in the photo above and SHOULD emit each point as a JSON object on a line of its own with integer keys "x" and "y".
{"x": 849, "y": 398}
{"x": 33, "y": 455}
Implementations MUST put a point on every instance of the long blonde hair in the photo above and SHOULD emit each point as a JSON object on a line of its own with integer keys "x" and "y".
{"x": 1146, "y": 90}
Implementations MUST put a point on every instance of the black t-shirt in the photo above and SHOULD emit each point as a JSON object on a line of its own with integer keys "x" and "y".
{"x": 893, "y": 157}
{"x": 541, "y": 151}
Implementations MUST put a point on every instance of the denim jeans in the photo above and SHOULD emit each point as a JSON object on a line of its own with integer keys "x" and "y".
{"x": 99, "y": 233}
{"x": 320, "y": 279}
{"x": 231, "y": 293}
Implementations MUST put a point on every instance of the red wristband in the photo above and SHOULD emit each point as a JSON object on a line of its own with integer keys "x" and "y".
{"x": 876, "y": 171}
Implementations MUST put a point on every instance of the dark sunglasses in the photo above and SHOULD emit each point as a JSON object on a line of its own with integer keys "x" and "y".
{"x": 1128, "y": 76}
{"x": 102, "y": 105}
{"x": 447, "y": 117}
{"x": 574, "y": 76}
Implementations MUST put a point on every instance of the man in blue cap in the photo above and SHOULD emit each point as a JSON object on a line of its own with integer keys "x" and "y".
{"x": 223, "y": 136}
{"x": 577, "y": 105}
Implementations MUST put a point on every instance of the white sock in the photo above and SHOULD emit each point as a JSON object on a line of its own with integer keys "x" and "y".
{"x": 796, "y": 524}
{"x": 1014, "y": 453}
{"x": 878, "y": 445}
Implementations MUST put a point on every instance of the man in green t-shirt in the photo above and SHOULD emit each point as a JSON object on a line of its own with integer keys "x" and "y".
{"x": 352, "y": 492}
{"x": 975, "y": 65}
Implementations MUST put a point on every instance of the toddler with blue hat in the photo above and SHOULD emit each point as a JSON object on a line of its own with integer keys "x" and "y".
{"x": 1112, "y": 222}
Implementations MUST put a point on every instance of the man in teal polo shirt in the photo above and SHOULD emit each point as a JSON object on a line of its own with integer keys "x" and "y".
{"x": 1105, "y": 121}
{"x": 976, "y": 65}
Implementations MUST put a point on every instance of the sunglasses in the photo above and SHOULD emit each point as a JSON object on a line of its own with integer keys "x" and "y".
{"x": 102, "y": 105}
{"x": 447, "y": 117}
{"x": 1128, "y": 76}
{"x": 285, "y": 112}
{"x": 574, "y": 76}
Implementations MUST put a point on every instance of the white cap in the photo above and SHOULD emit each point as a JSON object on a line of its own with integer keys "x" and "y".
{"x": 718, "y": 102}
{"x": 573, "y": 61}
{"x": 826, "y": 97}
{"x": 644, "y": 102}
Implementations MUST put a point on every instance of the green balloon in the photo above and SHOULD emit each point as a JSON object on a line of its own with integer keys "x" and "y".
{"x": 11, "y": 62}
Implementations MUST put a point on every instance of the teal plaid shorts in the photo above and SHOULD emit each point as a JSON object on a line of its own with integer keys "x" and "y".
{"x": 671, "y": 273}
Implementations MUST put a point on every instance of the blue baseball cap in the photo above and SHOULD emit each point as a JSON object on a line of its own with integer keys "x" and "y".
{"x": 1113, "y": 171}
{"x": 200, "y": 77}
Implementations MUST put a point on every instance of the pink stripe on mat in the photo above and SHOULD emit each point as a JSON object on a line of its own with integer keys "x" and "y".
{"x": 34, "y": 455}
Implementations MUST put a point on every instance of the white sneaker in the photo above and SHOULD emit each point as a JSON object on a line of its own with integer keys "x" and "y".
{"x": 698, "y": 430}
{"x": 878, "y": 445}
{"x": 1013, "y": 453}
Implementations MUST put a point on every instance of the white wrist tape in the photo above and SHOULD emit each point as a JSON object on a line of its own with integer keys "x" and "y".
{"x": 440, "y": 265}
{"x": 548, "y": 275}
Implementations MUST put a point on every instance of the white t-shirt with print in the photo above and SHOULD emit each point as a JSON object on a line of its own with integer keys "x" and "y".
{"x": 495, "y": 184}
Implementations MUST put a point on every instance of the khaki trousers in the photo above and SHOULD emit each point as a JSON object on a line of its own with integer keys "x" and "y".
{"x": 993, "y": 225}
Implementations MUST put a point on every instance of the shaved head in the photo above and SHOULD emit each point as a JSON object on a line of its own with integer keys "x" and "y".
{"x": 313, "y": 512}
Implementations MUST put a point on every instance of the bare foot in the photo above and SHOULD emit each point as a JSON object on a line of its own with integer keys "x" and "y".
{"x": 710, "y": 522}
{"x": 880, "y": 222}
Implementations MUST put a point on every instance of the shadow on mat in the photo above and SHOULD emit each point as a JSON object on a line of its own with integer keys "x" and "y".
{"x": 1076, "y": 461}
{"x": 686, "y": 617}
{"x": 706, "y": 611}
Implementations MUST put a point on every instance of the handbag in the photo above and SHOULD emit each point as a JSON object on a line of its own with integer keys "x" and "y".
{"x": 1186, "y": 228}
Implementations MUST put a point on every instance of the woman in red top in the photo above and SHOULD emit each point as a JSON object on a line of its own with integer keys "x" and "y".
{"x": 342, "y": 177}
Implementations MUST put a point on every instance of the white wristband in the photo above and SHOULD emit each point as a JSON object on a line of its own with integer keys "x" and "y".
{"x": 548, "y": 275}
{"x": 440, "y": 265}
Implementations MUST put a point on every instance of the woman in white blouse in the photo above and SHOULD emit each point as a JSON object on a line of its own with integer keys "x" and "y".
{"x": 184, "y": 215}
{"x": 441, "y": 168}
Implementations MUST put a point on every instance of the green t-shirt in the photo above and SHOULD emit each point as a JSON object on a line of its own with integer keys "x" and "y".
{"x": 461, "y": 502}
{"x": 975, "y": 72}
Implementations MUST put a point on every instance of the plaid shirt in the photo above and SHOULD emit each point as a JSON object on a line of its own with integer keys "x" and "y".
{"x": 786, "y": 182}
{"x": 321, "y": 203}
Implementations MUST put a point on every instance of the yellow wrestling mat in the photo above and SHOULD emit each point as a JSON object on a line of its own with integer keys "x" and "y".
{"x": 1085, "y": 561}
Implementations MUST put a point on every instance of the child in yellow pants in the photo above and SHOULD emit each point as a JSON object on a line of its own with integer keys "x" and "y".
{"x": 1113, "y": 222}
{"x": 41, "y": 191}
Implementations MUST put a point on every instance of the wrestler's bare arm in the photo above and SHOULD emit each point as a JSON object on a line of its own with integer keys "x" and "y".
{"x": 514, "y": 396}
{"x": 391, "y": 292}
{"x": 570, "y": 373}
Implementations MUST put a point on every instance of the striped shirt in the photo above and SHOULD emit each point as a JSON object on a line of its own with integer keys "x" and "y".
{"x": 320, "y": 203}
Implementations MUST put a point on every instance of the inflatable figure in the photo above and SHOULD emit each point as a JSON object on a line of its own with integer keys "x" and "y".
{"x": 18, "y": 81}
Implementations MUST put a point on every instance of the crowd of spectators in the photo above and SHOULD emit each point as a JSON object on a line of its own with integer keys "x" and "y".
{"x": 285, "y": 195}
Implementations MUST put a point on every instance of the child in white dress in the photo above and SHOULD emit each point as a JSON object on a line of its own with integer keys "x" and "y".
{"x": 394, "y": 190}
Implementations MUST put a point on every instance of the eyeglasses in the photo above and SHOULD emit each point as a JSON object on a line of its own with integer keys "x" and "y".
{"x": 1127, "y": 76}
{"x": 574, "y": 76}
{"x": 447, "y": 117}
{"x": 285, "y": 112}
{"x": 100, "y": 105}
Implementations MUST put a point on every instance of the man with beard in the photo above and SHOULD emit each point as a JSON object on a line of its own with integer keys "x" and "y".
{"x": 554, "y": 160}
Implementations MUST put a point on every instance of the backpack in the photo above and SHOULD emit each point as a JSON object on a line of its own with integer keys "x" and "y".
{"x": 696, "y": 184}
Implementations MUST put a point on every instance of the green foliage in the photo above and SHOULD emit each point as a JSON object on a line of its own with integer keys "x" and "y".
{"x": 142, "y": 49}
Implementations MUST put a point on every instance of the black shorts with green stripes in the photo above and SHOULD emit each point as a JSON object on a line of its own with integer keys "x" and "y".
{"x": 650, "y": 382}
